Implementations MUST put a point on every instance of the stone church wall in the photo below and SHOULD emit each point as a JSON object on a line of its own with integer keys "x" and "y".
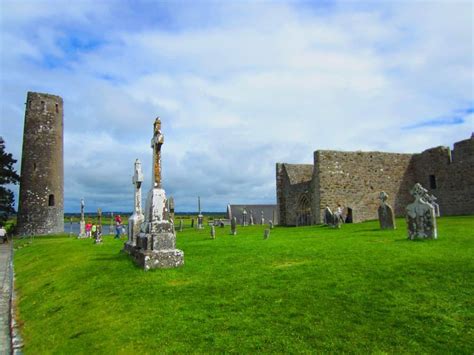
{"x": 355, "y": 179}
{"x": 449, "y": 175}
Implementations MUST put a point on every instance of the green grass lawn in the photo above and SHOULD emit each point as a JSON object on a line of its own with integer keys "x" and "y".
{"x": 310, "y": 289}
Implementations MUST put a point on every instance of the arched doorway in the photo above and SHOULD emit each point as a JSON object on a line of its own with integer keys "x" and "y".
{"x": 303, "y": 214}
{"x": 348, "y": 215}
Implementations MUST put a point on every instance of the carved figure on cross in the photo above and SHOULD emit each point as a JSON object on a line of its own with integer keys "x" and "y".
{"x": 156, "y": 143}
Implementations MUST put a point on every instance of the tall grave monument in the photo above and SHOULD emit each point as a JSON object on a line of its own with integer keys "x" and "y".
{"x": 136, "y": 219}
{"x": 156, "y": 243}
{"x": 200, "y": 216}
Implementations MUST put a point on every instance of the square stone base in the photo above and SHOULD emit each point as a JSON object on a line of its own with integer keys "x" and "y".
{"x": 155, "y": 259}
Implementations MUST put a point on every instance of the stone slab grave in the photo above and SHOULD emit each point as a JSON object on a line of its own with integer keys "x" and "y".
{"x": 420, "y": 216}
{"x": 385, "y": 213}
{"x": 233, "y": 226}
{"x": 156, "y": 243}
{"x": 213, "y": 232}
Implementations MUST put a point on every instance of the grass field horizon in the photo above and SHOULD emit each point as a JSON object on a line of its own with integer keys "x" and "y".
{"x": 305, "y": 289}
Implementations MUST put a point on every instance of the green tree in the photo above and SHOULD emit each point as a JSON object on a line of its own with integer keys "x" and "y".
{"x": 8, "y": 175}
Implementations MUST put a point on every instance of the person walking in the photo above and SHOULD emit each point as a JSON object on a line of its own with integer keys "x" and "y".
{"x": 3, "y": 234}
{"x": 118, "y": 226}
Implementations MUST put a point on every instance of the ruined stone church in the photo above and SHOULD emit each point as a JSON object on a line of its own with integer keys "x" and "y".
{"x": 355, "y": 179}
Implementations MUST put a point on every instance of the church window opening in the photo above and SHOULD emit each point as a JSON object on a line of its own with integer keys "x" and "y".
{"x": 432, "y": 182}
{"x": 51, "y": 200}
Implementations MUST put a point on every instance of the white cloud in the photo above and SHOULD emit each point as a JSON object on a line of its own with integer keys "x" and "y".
{"x": 238, "y": 90}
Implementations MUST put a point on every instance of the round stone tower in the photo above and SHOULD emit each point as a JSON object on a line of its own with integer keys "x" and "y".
{"x": 41, "y": 204}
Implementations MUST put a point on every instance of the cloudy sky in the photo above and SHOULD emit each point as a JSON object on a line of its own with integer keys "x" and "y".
{"x": 239, "y": 86}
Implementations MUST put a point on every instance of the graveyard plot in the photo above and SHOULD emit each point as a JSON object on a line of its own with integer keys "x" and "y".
{"x": 311, "y": 288}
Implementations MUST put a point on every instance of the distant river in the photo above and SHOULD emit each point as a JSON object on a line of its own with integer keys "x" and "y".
{"x": 74, "y": 228}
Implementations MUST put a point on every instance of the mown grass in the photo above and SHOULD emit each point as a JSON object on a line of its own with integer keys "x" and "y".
{"x": 358, "y": 289}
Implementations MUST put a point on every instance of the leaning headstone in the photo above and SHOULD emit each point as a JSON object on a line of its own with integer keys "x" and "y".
{"x": 385, "y": 212}
{"x": 213, "y": 232}
{"x": 82, "y": 223}
{"x": 156, "y": 243}
{"x": 233, "y": 226}
{"x": 266, "y": 233}
{"x": 421, "y": 218}
{"x": 270, "y": 224}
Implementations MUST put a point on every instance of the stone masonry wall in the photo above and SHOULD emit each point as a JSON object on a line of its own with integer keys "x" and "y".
{"x": 41, "y": 203}
{"x": 288, "y": 194}
{"x": 355, "y": 179}
{"x": 449, "y": 176}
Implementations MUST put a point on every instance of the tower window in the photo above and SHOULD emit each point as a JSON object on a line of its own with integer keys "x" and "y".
{"x": 51, "y": 200}
{"x": 43, "y": 106}
{"x": 432, "y": 182}
{"x": 57, "y": 108}
{"x": 34, "y": 166}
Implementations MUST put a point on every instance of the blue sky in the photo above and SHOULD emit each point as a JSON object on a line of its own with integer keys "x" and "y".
{"x": 239, "y": 86}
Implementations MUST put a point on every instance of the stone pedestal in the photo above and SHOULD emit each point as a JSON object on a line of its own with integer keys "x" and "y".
{"x": 134, "y": 228}
{"x": 155, "y": 245}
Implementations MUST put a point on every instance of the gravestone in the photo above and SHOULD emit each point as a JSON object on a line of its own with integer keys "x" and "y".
{"x": 251, "y": 218}
{"x": 385, "y": 212}
{"x": 244, "y": 217}
{"x": 221, "y": 223}
{"x": 200, "y": 217}
{"x": 82, "y": 223}
{"x": 233, "y": 226}
{"x": 99, "y": 222}
{"x": 328, "y": 216}
{"x": 137, "y": 218}
{"x": 274, "y": 217}
{"x": 266, "y": 233}
{"x": 270, "y": 224}
{"x": 262, "y": 218}
{"x": 213, "y": 232}
{"x": 156, "y": 243}
{"x": 180, "y": 224}
{"x": 431, "y": 199}
{"x": 421, "y": 218}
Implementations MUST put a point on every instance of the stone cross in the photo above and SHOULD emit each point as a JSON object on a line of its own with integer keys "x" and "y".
{"x": 244, "y": 217}
{"x": 137, "y": 182}
{"x": 156, "y": 143}
{"x": 421, "y": 218}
